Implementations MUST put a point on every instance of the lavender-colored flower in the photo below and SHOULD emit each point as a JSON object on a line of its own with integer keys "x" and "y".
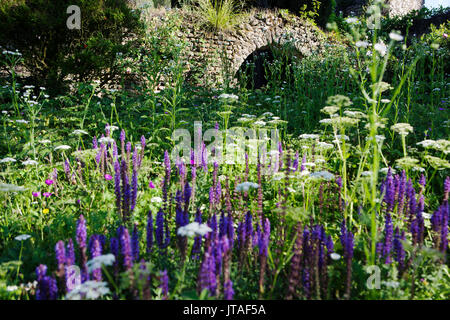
{"x": 167, "y": 162}
{"x": 70, "y": 254}
{"x": 295, "y": 163}
{"x": 159, "y": 229}
{"x": 388, "y": 234}
{"x": 263, "y": 240}
{"x": 164, "y": 284}
{"x": 422, "y": 180}
{"x": 117, "y": 185}
{"x": 95, "y": 252}
{"x": 389, "y": 189}
{"x": 134, "y": 187}
{"x": 303, "y": 166}
{"x": 60, "y": 252}
{"x": 149, "y": 232}
{"x": 46, "y": 288}
{"x": 94, "y": 143}
{"x": 447, "y": 185}
{"x": 228, "y": 291}
{"x": 135, "y": 243}
{"x": 398, "y": 249}
{"x": 81, "y": 232}
{"x": 126, "y": 249}
{"x": 196, "y": 248}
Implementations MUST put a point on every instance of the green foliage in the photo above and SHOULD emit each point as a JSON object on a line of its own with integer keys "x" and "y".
{"x": 51, "y": 51}
{"x": 215, "y": 14}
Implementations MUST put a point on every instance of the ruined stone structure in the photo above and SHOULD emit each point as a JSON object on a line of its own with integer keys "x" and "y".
{"x": 211, "y": 55}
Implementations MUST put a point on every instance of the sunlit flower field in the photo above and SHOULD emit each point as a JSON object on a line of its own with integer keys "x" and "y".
{"x": 330, "y": 182}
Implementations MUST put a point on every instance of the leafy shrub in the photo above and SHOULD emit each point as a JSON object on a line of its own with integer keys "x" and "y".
{"x": 51, "y": 51}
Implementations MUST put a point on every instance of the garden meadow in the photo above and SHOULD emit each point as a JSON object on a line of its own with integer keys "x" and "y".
{"x": 330, "y": 182}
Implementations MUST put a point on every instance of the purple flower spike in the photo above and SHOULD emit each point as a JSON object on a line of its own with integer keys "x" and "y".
{"x": 81, "y": 232}
{"x": 228, "y": 290}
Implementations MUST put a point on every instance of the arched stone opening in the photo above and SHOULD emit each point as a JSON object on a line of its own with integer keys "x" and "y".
{"x": 259, "y": 65}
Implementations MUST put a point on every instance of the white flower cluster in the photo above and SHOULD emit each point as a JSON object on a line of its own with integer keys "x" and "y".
{"x": 6, "y": 187}
{"x": 228, "y": 96}
{"x": 89, "y": 290}
{"x": 245, "y": 186}
{"x": 193, "y": 229}
{"x": 322, "y": 175}
{"x": 97, "y": 262}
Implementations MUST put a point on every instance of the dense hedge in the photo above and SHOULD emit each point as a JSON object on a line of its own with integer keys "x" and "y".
{"x": 51, "y": 51}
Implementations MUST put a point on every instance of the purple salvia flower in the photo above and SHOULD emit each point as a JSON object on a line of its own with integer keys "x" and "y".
{"x": 164, "y": 284}
{"x": 81, "y": 232}
{"x": 263, "y": 240}
{"x": 60, "y": 252}
{"x": 159, "y": 229}
{"x": 398, "y": 249}
{"x": 96, "y": 251}
{"x": 196, "y": 248}
{"x": 126, "y": 249}
{"x": 94, "y": 143}
{"x": 134, "y": 189}
{"x": 228, "y": 291}
{"x": 295, "y": 163}
{"x": 388, "y": 231}
{"x": 135, "y": 243}
{"x": 117, "y": 185}
{"x": 46, "y": 288}
{"x": 149, "y": 232}
{"x": 303, "y": 167}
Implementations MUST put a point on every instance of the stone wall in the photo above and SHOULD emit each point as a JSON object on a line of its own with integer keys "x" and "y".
{"x": 213, "y": 55}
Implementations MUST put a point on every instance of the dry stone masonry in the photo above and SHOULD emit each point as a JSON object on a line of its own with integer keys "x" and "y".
{"x": 213, "y": 55}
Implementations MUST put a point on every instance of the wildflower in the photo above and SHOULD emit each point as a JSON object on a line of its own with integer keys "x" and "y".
{"x": 108, "y": 177}
{"x": 5, "y": 187}
{"x": 156, "y": 200}
{"x": 101, "y": 260}
{"x": 45, "y": 211}
{"x": 402, "y": 128}
{"x": 381, "y": 48}
{"x": 22, "y": 121}
{"x": 5, "y": 160}
{"x": 151, "y": 185}
{"x": 228, "y": 96}
{"x": 164, "y": 284}
{"x": 29, "y": 162}
{"x": 106, "y": 140}
{"x": 245, "y": 186}
{"x": 47, "y": 194}
{"x": 361, "y": 44}
{"x": 62, "y": 147}
{"x": 89, "y": 290}
{"x": 49, "y": 182}
{"x": 335, "y": 256}
{"x": 36, "y": 194}
{"x": 193, "y": 229}
{"x": 79, "y": 132}
{"x": 395, "y": 36}
{"x": 22, "y": 237}
{"x": 307, "y": 136}
{"x": 351, "y": 20}
{"x": 228, "y": 290}
{"x": 322, "y": 175}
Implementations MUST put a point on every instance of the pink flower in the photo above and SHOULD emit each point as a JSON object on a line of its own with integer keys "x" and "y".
{"x": 445, "y": 35}
{"x": 36, "y": 194}
{"x": 49, "y": 182}
{"x": 108, "y": 177}
{"x": 151, "y": 185}
{"x": 47, "y": 194}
